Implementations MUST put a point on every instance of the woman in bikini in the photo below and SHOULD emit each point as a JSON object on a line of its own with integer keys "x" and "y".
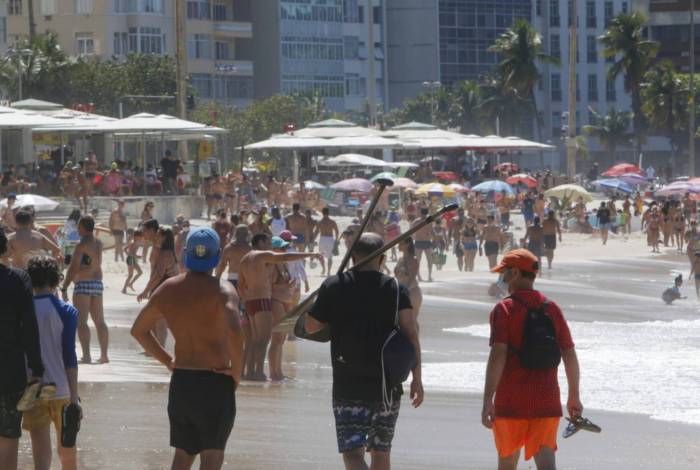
{"x": 469, "y": 244}
{"x": 134, "y": 242}
{"x": 283, "y": 287}
{"x": 406, "y": 272}
{"x": 164, "y": 267}
{"x": 146, "y": 214}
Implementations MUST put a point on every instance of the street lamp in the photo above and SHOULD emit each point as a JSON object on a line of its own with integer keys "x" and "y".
{"x": 18, "y": 55}
{"x": 432, "y": 86}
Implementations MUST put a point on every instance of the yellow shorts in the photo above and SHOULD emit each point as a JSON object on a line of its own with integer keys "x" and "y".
{"x": 44, "y": 413}
{"x": 511, "y": 434}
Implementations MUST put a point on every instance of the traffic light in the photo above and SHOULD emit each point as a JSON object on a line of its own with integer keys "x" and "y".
{"x": 190, "y": 102}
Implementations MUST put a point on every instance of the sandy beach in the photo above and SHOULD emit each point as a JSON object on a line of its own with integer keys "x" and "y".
{"x": 639, "y": 366}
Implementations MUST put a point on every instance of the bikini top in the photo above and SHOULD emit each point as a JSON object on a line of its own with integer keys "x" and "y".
{"x": 469, "y": 232}
{"x": 86, "y": 260}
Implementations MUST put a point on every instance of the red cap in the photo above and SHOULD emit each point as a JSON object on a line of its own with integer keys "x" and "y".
{"x": 521, "y": 259}
{"x": 287, "y": 236}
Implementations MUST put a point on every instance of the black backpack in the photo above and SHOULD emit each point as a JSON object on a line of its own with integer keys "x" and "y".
{"x": 540, "y": 349}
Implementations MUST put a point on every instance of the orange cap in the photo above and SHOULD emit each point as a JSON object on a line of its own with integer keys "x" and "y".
{"x": 521, "y": 259}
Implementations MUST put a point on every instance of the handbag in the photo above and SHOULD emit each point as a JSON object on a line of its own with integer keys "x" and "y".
{"x": 398, "y": 357}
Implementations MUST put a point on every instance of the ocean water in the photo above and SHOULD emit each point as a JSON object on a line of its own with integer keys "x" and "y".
{"x": 651, "y": 368}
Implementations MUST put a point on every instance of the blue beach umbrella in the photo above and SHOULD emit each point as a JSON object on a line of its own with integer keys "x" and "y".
{"x": 615, "y": 185}
{"x": 493, "y": 186}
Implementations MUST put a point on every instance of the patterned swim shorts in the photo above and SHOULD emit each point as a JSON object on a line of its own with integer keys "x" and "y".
{"x": 10, "y": 418}
{"x": 365, "y": 424}
{"x": 89, "y": 288}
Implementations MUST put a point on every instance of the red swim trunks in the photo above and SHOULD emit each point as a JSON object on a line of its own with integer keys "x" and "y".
{"x": 255, "y": 306}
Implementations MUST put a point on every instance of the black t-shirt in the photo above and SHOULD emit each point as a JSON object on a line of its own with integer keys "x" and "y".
{"x": 360, "y": 308}
{"x": 604, "y": 216}
{"x": 528, "y": 204}
{"x": 19, "y": 333}
{"x": 169, "y": 167}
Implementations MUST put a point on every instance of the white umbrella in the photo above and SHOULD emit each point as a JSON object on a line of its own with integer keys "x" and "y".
{"x": 146, "y": 122}
{"x": 332, "y": 128}
{"x": 353, "y": 159}
{"x": 284, "y": 142}
{"x": 360, "y": 142}
{"x": 311, "y": 185}
{"x": 40, "y": 203}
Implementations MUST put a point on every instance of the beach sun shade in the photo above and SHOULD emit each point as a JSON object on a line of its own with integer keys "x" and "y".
{"x": 615, "y": 185}
{"x": 359, "y": 185}
{"x": 621, "y": 169}
{"x": 634, "y": 179}
{"x": 679, "y": 188}
{"x": 446, "y": 175}
{"x": 458, "y": 188}
{"x": 404, "y": 183}
{"x": 493, "y": 186}
{"x": 436, "y": 189}
{"x": 522, "y": 178}
{"x": 353, "y": 159}
{"x": 384, "y": 175}
{"x": 569, "y": 192}
{"x": 508, "y": 167}
{"x": 39, "y": 203}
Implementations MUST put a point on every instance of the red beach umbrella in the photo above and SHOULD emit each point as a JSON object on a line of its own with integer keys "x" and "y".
{"x": 622, "y": 168}
{"x": 527, "y": 180}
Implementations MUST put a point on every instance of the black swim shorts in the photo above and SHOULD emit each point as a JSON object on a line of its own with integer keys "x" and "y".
{"x": 202, "y": 409}
{"x": 550, "y": 242}
{"x": 491, "y": 248}
{"x": 10, "y": 418}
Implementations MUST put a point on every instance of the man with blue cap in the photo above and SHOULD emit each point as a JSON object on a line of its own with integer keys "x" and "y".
{"x": 202, "y": 314}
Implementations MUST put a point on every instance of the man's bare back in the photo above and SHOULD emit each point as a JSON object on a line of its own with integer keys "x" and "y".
{"x": 296, "y": 224}
{"x": 25, "y": 243}
{"x": 550, "y": 227}
{"x": 327, "y": 227}
{"x": 492, "y": 233}
{"x": 231, "y": 258}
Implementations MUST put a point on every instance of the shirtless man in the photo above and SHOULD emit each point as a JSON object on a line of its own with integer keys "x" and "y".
{"x": 8, "y": 216}
{"x": 202, "y": 314}
{"x": 255, "y": 282}
{"x": 86, "y": 270}
{"x": 491, "y": 241}
{"x": 455, "y": 235}
{"x": 25, "y": 242}
{"x": 310, "y": 231}
{"x": 259, "y": 225}
{"x": 329, "y": 234}
{"x": 550, "y": 229}
{"x": 296, "y": 223}
{"x": 540, "y": 205}
{"x": 534, "y": 238}
{"x": 424, "y": 243}
{"x": 231, "y": 260}
{"x": 118, "y": 226}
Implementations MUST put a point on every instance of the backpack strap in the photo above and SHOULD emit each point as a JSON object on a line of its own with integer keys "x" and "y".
{"x": 541, "y": 309}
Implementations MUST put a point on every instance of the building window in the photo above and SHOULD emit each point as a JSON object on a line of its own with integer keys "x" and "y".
{"x": 557, "y": 124}
{"x": 592, "y": 87}
{"x": 3, "y": 30}
{"x": 555, "y": 46}
{"x": 578, "y": 90}
{"x": 352, "y": 47}
{"x": 350, "y": 11}
{"x": 121, "y": 44}
{"x": 201, "y": 82}
{"x": 199, "y": 9}
{"x": 377, "y": 15}
{"x": 554, "y": 19}
{"x": 570, "y": 11}
{"x": 555, "y": 87}
{"x": 328, "y": 86}
{"x": 624, "y": 7}
{"x": 83, "y": 7}
{"x": 85, "y": 44}
{"x": 151, "y": 6}
{"x": 592, "y": 49}
{"x": 231, "y": 87}
{"x": 139, "y": 6}
{"x": 48, "y": 7}
{"x": 199, "y": 46}
{"x": 312, "y": 48}
{"x": 146, "y": 40}
{"x": 538, "y": 7}
{"x": 312, "y": 11}
{"x": 220, "y": 12}
{"x": 608, "y": 13}
{"x": 591, "y": 20}
{"x": 610, "y": 94}
{"x": 223, "y": 50}
{"x": 14, "y": 7}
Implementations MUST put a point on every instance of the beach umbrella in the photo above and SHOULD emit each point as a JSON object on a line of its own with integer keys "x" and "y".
{"x": 436, "y": 189}
{"x": 387, "y": 175}
{"x": 360, "y": 185}
{"x": 446, "y": 175}
{"x": 679, "y": 188}
{"x": 458, "y": 188}
{"x": 508, "y": 167}
{"x": 569, "y": 192}
{"x": 614, "y": 184}
{"x": 353, "y": 159}
{"x": 633, "y": 179}
{"x": 310, "y": 185}
{"x": 522, "y": 178}
{"x": 493, "y": 186}
{"x": 621, "y": 169}
{"x": 39, "y": 203}
{"x": 404, "y": 183}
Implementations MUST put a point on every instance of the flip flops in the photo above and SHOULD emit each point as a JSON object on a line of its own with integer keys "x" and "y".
{"x": 578, "y": 423}
{"x": 35, "y": 391}
{"x": 72, "y": 414}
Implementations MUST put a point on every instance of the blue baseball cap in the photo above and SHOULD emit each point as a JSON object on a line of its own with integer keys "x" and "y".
{"x": 278, "y": 243}
{"x": 203, "y": 250}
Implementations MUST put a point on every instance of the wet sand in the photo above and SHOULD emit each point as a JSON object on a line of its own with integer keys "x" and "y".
{"x": 290, "y": 425}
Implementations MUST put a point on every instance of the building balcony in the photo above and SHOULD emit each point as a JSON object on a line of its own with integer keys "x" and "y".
{"x": 234, "y": 67}
{"x": 234, "y": 28}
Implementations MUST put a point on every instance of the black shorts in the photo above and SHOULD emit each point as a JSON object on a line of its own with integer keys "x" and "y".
{"x": 10, "y": 418}
{"x": 202, "y": 409}
{"x": 550, "y": 242}
{"x": 118, "y": 236}
{"x": 491, "y": 248}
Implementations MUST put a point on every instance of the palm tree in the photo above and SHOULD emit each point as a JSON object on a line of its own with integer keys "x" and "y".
{"x": 665, "y": 98}
{"x": 502, "y": 102}
{"x": 467, "y": 94}
{"x": 520, "y": 49}
{"x": 625, "y": 42}
{"x": 611, "y": 130}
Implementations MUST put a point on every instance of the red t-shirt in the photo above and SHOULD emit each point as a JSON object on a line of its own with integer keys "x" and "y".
{"x": 525, "y": 393}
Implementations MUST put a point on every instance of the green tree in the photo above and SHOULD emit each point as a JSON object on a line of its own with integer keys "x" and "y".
{"x": 610, "y": 130}
{"x": 520, "y": 49}
{"x": 665, "y": 98}
{"x": 468, "y": 97}
{"x": 625, "y": 43}
{"x": 502, "y": 102}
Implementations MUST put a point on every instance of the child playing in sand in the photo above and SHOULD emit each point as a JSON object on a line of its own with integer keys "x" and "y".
{"x": 673, "y": 293}
{"x": 134, "y": 242}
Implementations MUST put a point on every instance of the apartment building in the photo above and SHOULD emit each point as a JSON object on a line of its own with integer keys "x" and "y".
{"x": 327, "y": 47}
{"x": 219, "y": 36}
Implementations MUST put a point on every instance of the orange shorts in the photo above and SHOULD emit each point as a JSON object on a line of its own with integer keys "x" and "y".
{"x": 511, "y": 434}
